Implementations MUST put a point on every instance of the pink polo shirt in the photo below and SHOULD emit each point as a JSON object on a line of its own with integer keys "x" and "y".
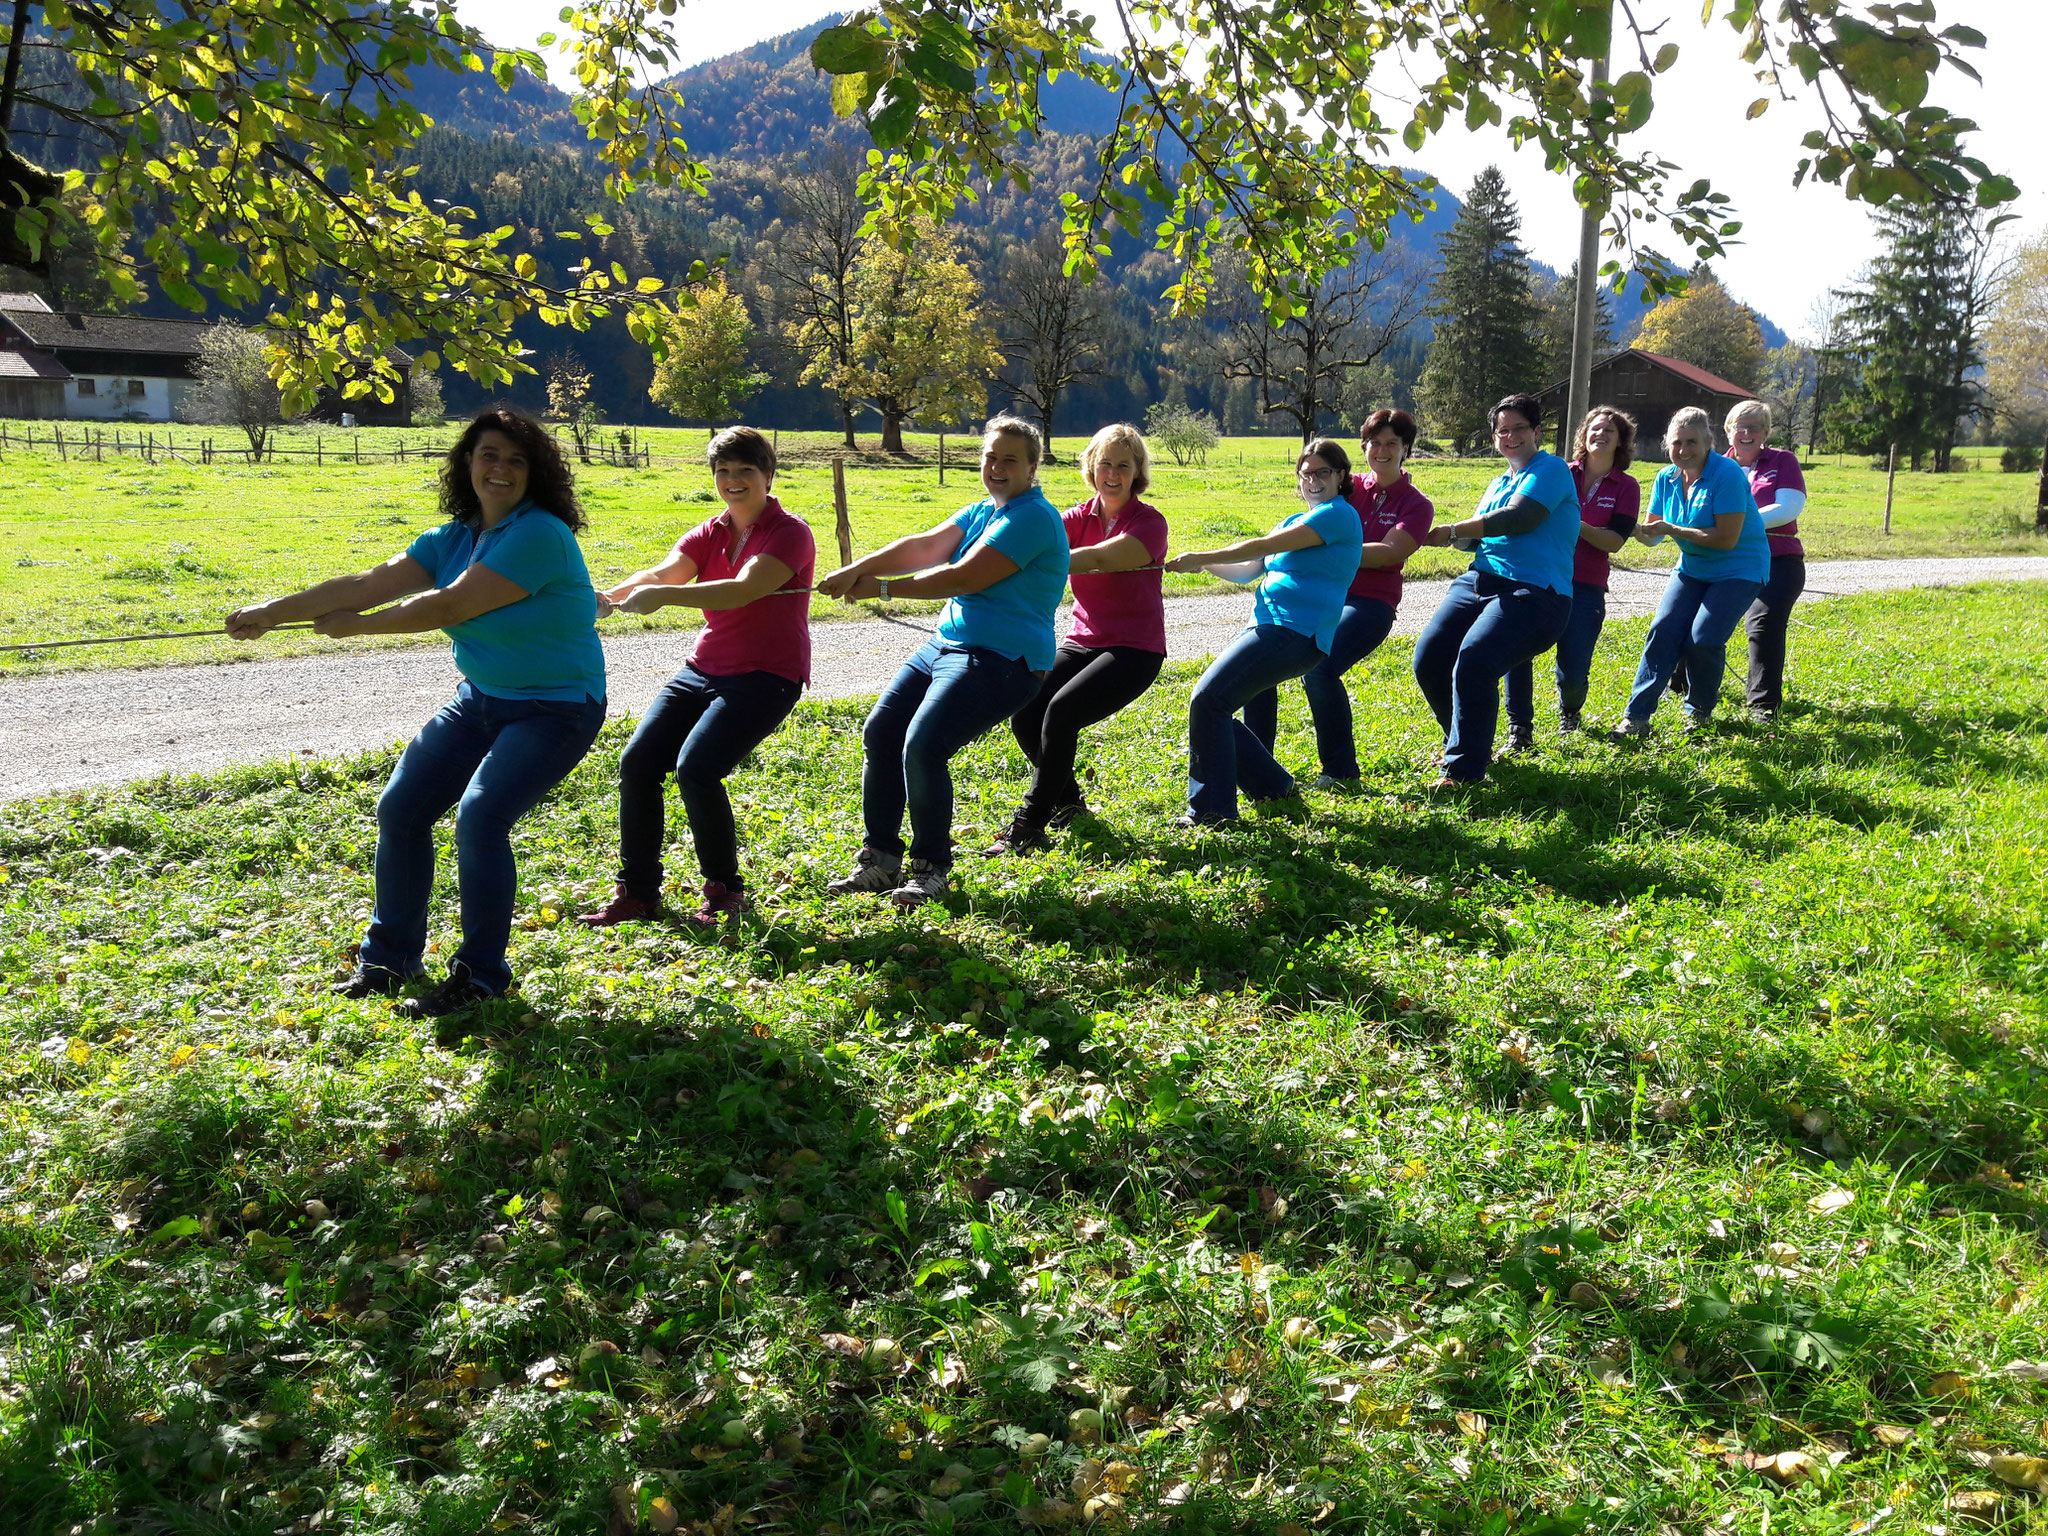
{"x": 772, "y": 633}
{"x": 1380, "y": 512}
{"x": 1776, "y": 470}
{"x": 1118, "y": 607}
{"x": 1616, "y": 494}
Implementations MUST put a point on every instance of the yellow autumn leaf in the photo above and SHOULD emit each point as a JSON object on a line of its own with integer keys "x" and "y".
{"x": 79, "y": 1052}
{"x": 182, "y": 1055}
{"x": 1834, "y": 1200}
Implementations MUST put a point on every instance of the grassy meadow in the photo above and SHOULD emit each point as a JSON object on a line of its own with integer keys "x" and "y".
{"x": 1649, "y": 1142}
{"x": 129, "y": 547}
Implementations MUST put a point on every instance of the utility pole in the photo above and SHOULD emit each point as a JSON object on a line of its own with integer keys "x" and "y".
{"x": 1579, "y": 395}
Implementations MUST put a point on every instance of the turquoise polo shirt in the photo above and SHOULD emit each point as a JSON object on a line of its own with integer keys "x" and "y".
{"x": 1014, "y": 617}
{"x": 1304, "y": 589}
{"x": 544, "y": 646}
{"x": 1542, "y": 557}
{"x": 1721, "y": 487}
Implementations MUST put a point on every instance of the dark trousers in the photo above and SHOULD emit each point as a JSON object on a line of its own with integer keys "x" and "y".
{"x": 1366, "y": 622}
{"x": 1768, "y": 620}
{"x": 493, "y": 760}
{"x": 1574, "y": 660}
{"x": 1483, "y": 629}
{"x": 944, "y": 697}
{"x": 1087, "y": 684}
{"x": 698, "y": 728}
{"x": 1222, "y": 750}
{"x": 1694, "y": 620}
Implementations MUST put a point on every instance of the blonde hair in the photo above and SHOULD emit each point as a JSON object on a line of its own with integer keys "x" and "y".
{"x": 1119, "y": 434}
{"x": 1744, "y": 411}
{"x": 1015, "y": 426}
{"x": 1691, "y": 416}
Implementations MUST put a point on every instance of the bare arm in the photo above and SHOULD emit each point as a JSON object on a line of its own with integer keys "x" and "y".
{"x": 476, "y": 592}
{"x": 1122, "y": 553}
{"x": 344, "y": 594}
{"x": 913, "y": 552}
{"x": 1300, "y": 536}
{"x": 1725, "y": 533}
{"x": 760, "y": 576}
{"x": 676, "y": 571}
{"x": 1396, "y": 547}
{"x": 977, "y": 573}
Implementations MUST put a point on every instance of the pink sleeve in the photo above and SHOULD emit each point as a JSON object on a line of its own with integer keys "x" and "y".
{"x": 1790, "y": 476}
{"x": 794, "y": 545}
{"x": 1416, "y": 521}
{"x": 1628, "y": 497}
{"x": 1152, "y": 533}
{"x": 699, "y": 543}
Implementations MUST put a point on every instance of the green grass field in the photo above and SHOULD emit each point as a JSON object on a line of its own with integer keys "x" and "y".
{"x": 1651, "y": 1142}
{"x": 127, "y": 547}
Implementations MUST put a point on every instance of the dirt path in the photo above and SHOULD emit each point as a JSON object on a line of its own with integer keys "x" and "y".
{"x": 88, "y": 728}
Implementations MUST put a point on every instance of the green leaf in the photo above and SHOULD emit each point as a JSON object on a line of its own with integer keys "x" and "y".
{"x": 854, "y": 93}
{"x": 1757, "y": 109}
{"x": 1666, "y": 57}
{"x": 891, "y": 126}
{"x": 927, "y": 63}
{"x": 899, "y": 1213}
{"x": 1632, "y": 101}
{"x": 182, "y": 1226}
{"x": 849, "y": 51}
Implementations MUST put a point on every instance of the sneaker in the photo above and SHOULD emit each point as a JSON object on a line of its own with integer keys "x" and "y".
{"x": 1333, "y": 784}
{"x": 1064, "y": 816}
{"x": 1630, "y": 729}
{"x": 1698, "y": 725}
{"x": 371, "y": 981}
{"x": 720, "y": 901}
{"x": 1019, "y": 837}
{"x": 622, "y": 908}
{"x": 927, "y": 882}
{"x": 1446, "y": 782}
{"x": 873, "y": 871}
{"x": 1567, "y": 724}
{"x": 457, "y": 994}
{"x": 1763, "y": 717}
{"x": 1521, "y": 738}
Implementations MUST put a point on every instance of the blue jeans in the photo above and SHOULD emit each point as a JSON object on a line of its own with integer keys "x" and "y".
{"x": 1222, "y": 751}
{"x": 945, "y": 696}
{"x": 1694, "y": 620}
{"x": 698, "y": 728}
{"x": 1574, "y": 660}
{"x": 1365, "y": 622}
{"x": 493, "y": 760}
{"x": 1484, "y": 628}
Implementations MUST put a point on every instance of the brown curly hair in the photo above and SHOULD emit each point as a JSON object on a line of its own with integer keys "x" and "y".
{"x": 550, "y": 485}
{"x": 1624, "y": 432}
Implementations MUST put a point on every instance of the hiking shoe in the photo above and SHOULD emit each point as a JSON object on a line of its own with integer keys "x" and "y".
{"x": 720, "y": 901}
{"x": 1763, "y": 717}
{"x": 1698, "y": 725}
{"x": 1333, "y": 784}
{"x": 1630, "y": 729}
{"x": 370, "y": 981}
{"x": 1521, "y": 738}
{"x": 926, "y": 882}
{"x": 1019, "y": 837}
{"x": 1567, "y": 724}
{"x": 873, "y": 872}
{"x": 622, "y": 908}
{"x": 457, "y": 994}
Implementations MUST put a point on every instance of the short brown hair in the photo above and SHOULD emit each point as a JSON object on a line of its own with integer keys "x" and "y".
{"x": 1399, "y": 422}
{"x": 742, "y": 445}
{"x": 1015, "y": 426}
{"x": 1332, "y": 453}
{"x": 1119, "y": 434}
{"x": 1625, "y": 429}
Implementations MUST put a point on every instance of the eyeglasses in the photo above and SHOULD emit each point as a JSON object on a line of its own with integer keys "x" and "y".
{"x": 1513, "y": 431}
{"x": 1324, "y": 473}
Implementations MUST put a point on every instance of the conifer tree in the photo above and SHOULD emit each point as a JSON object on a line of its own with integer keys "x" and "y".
{"x": 1485, "y": 343}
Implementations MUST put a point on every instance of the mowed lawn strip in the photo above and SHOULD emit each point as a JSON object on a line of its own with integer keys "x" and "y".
{"x": 125, "y": 547}
{"x": 1650, "y": 1140}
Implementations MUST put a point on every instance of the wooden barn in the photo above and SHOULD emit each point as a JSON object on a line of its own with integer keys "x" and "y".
{"x": 1652, "y": 388}
{"x": 368, "y": 410}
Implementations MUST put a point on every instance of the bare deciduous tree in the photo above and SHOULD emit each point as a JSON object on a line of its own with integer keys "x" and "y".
{"x": 235, "y": 387}
{"x": 1299, "y": 365}
{"x": 808, "y": 257}
{"x": 1054, "y": 327}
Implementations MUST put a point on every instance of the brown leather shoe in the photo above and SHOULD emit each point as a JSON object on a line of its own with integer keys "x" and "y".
{"x": 622, "y": 908}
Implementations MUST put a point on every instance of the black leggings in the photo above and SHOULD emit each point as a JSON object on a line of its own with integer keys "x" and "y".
{"x": 1085, "y": 685}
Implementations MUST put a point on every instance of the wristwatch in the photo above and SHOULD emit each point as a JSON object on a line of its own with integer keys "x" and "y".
{"x": 882, "y": 587}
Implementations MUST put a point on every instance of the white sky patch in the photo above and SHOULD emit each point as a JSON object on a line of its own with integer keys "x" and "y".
{"x": 1796, "y": 243}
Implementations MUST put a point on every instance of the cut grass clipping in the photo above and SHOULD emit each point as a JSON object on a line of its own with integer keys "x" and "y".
{"x": 1648, "y": 1142}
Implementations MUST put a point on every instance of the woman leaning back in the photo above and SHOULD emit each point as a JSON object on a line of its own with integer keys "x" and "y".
{"x": 505, "y": 579}
{"x": 1513, "y": 603}
{"x": 1778, "y": 485}
{"x": 1610, "y": 501}
{"x": 1116, "y": 639}
{"x": 1001, "y": 562}
{"x": 1394, "y": 517}
{"x": 1704, "y": 502}
{"x": 1308, "y": 560}
{"x": 749, "y": 570}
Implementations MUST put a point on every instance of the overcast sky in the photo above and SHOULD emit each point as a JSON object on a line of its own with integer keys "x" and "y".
{"x": 1798, "y": 242}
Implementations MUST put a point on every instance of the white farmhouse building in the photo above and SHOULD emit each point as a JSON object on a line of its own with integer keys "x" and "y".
{"x": 92, "y": 367}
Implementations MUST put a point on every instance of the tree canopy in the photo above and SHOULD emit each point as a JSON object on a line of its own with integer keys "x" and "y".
{"x": 1707, "y": 327}
{"x": 254, "y": 152}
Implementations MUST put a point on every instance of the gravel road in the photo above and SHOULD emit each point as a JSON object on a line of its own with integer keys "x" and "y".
{"x": 79, "y": 729}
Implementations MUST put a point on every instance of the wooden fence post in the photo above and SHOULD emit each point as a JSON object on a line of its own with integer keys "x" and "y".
{"x": 359, "y": 448}
{"x": 843, "y": 524}
{"x": 942, "y": 458}
{"x": 1891, "y": 475}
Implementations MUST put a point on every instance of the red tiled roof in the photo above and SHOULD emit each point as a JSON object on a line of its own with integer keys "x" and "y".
{"x": 1693, "y": 375}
